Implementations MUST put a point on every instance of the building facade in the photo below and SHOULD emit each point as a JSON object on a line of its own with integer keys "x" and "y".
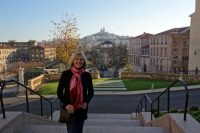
{"x": 43, "y": 53}
{"x": 7, "y": 58}
{"x": 138, "y": 52}
{"x": 194, "y": 50}
{"x": 169, "y": 51}
{"x": 22, "y": 48}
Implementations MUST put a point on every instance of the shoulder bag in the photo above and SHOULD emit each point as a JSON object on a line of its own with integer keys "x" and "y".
{"x": 64, "y": 116}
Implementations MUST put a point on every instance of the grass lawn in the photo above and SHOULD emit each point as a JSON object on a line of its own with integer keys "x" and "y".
{"x": 131, "y": 85}
{"x": 134, "y": 85}
{"x": 51, "y": 88}
{"x": 48, "y": 88}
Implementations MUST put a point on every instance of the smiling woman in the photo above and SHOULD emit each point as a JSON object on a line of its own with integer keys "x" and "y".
{"x": 75, "y": 90}
{"x": 78, "y": 61}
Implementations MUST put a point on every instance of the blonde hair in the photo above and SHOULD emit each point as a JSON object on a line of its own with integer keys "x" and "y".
{"x": 75, "y": 55}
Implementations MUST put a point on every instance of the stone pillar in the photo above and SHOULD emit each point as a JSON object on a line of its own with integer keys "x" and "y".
{"x": 21, "y": 79}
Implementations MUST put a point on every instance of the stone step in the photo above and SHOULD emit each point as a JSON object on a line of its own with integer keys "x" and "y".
{"x": 110, "y": 116}
{"x": 43, "y": 129}
{"x": 110, "y": 89}
{"x": 91, "y": 129}
{"x": 107, "y": 86}
{"x": 113, "y": 122}
{"x": 123, "y": 129}
{"x": 100, "y": 116}
{"x": 110, "y": 83}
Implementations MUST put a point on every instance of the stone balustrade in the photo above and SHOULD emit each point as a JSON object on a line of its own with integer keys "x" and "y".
{"x": 159, "y": 76}
{"x": 36, "y": 82}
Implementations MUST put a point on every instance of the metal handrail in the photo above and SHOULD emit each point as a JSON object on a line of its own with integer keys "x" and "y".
{"x": 168, "y": 99}
{"x": 145, "y": 98}
{"x": 1, "y": 98}
{"x": 27, "y": 100}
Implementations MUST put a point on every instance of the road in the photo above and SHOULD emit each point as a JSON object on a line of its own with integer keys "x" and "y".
{"x": 117, "y": 103}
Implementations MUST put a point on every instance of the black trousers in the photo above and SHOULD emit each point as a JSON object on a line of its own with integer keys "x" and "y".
{"x": 75, "y": 126}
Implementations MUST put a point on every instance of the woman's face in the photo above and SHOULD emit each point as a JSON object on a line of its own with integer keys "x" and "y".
{"x": 78, "y": 62}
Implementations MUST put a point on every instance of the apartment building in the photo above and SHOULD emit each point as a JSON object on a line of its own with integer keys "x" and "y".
{"x": 194, "y": 49}
{"x": 138, "y": 52}
{"x": 43, "y": 53}
{"x": 7, "y": 58}
{"x": 169, "y": 50}
{"x": 22, "y": 48}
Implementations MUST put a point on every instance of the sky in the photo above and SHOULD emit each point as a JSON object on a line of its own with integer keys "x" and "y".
{"x": 24, "y": 20}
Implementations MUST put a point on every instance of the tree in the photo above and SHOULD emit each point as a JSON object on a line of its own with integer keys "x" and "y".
{"x": 26, "y": 65}
{"x": 93, "y": 58}
{"x": 32, "y": 73}
{"x": 119, "y": 57}
{"x": 66, "y": 36}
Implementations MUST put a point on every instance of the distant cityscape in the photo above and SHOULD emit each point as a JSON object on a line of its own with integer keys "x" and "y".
{"x": 175, "y": 50}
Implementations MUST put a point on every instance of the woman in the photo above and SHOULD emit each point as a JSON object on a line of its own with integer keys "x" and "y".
{"x": 78, "y": 91}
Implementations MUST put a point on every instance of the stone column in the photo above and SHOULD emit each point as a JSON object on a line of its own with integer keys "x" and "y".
{"x": 21, "y": 79}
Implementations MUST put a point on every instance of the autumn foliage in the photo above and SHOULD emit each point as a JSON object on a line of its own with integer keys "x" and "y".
{"x": 66, "y": 36}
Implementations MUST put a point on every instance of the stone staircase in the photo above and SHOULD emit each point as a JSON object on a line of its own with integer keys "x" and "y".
{"x": 20, "y": 122}
{"x": 109, "y": 85}
{"x": 118, "y": 123}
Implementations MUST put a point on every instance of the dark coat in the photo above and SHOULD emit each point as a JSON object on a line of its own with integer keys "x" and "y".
{"x": 63, "y": 92}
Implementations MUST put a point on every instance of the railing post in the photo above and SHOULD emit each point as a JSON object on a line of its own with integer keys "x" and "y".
{"x": 168, "y": 100}
{"x": 151, "y": 111}
{"x": 145, "y": 100}
{"x": 41, "y": 106}
{"x": 159, "y": 106}
{"x": 27, "y": 103}
{"x": 2, "y": 85}
{"x": 186, "y": 105}
{"x": 51, "y": 111}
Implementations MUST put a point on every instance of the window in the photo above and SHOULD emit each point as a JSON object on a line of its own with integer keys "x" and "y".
{"x": 157, "y": 41}
{"x": 157, "y": 51}
{"x": 165, "y": 52}
{"x": 166, "y": 40}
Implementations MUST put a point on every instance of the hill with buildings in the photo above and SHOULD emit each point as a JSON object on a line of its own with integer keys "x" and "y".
{"x": 102, "y": 36}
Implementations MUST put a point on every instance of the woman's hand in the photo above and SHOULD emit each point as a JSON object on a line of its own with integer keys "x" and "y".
{"x": 84, "y": 106}
{"x": 70, "y": 108}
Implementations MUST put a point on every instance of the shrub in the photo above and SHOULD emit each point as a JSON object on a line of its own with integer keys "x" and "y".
{"x": 194, "y": 108}
{"x": 174, "y": 111}
{"x": 153, "y": 110}
{"x": 156, "y": 114}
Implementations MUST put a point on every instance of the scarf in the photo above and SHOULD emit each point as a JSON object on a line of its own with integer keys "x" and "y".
{"x": 76, "y": 88}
